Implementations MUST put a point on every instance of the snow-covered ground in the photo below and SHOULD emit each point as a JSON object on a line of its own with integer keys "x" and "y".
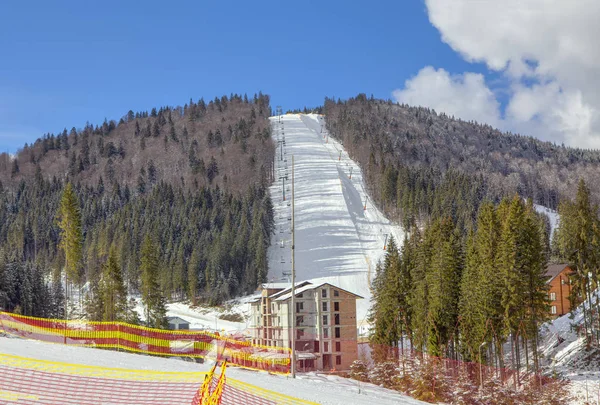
{"x": 552, "y": 216}
{"x": 337, "y": 240}
{"x": 205, "y": 318}
{"x": 565, "y": 354}
{"x": 320, "y": 388}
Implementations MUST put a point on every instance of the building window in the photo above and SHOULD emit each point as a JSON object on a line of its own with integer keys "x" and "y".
{"x": 336, "y": 306}
{"x": 552, "y": 296}
{"x": 316, "y": 346}
{"x": 273, "y": 307}
{"x": 337, "y": 332}
{"x": 338, "y": 360}
{"x": 553, "y": 309}
{"x": 324, "y": 306}
{"x": 336, "y": 319}
{"x": 325, "y": 346}
{"x": 324, "y": 293}
{"x": 336, "y": 293}
{"x": 338, "y": 346}
{"x": 299, "y": 334}
{"x": 324, "y": 319}
{"x": 299, "y": 306}
{"x": 325, "y": 333}
{"x": 299, "y": 320}
{"x": 299, "y": 295}
{"x": 278, "y": 321}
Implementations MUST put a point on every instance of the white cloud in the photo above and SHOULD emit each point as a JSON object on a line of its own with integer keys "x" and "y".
{"x": 551, "y": 43}
{"x": 465, "y": 96}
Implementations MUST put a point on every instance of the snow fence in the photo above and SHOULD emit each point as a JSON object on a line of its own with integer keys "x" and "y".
{"x": 138, "y": 339}
{"x": 29, "y": 381}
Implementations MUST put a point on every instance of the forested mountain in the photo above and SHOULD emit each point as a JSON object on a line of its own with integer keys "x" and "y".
{"x": 194, "y": 179}
{"x": 225, "y": 141}
{"x": 420, "y": 164}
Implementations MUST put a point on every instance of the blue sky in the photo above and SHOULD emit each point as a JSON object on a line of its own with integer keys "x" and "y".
{"x": 68, "y": 62}
{"x": 62, "y": 65}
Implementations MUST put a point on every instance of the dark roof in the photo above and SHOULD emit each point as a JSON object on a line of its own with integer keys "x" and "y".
{"x": 554, "y": 270}
{"x": 173, "y": 319}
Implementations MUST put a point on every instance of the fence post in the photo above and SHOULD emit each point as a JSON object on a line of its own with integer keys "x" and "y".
{"x": 587, "y": 399}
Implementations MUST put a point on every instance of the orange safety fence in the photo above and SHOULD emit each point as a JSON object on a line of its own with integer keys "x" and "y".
{"x": 41, "y": 382}
{"x": 139, "y": 339}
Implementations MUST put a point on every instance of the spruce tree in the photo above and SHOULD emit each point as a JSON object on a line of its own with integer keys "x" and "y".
{"x": 152, "y": 297}
{"x": 113, "y": 290}
{"x": 385, "y": 315}
{"x": 71, "y": 239}
{"x": 472, "y": 318}
{"x": 443, "y": 280}
{"x": 489, "y": 291}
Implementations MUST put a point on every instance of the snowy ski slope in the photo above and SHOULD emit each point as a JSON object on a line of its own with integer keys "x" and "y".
{"x": 319, "y": 388}
{"x": 337, "y": 240}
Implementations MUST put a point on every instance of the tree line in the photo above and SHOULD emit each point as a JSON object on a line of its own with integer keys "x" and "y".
{"x": 225, "y": 142}
{"x": 464, "y": 294}
{"x": 419, "y": 163}
{"x": 198, "y": 230}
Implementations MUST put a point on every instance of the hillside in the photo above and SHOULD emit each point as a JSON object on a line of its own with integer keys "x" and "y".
{"x": 418, "y": 162}
{"x": 224, "y": 142}
{"x": 194, "y": 179}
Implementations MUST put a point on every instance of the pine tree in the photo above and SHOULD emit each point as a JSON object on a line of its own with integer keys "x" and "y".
{"x": 419, "y": 297}
{"x": 472, "y": 318}
{"x": 71, "y": 239}
{"x": 384, "y": 315}
{"x": 443, "y": 279}
{"x": 536, "y": 296}
{"x": 113, "y": 290}
{"x": 152, "y": 297}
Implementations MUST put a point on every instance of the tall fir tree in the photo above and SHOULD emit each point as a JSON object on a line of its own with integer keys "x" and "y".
{"x": 113, "y": 290}
{"x": 71, "y": 239}
{"x": 152, "y": 297}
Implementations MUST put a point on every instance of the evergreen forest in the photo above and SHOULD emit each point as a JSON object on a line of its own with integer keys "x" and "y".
{"x": 171, "y": 204}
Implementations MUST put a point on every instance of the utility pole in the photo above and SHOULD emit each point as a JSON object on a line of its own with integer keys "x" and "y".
{"x": 385, "y": 243}
{"x": 293, "y": 280}
{"x": 350, "y": 172}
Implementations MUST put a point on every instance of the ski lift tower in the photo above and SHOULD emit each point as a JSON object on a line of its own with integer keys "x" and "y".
{"x": 279, "y": 112}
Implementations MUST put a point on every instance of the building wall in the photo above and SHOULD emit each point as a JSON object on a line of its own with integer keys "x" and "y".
{"x": 561, "y": 289}
{"x": 347, "y": 340}
{"x": 271, "y": 321}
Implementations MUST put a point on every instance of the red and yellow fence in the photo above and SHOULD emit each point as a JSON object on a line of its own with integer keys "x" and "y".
{"x": 133, "y": 338}
{"x": 29, "y": 381}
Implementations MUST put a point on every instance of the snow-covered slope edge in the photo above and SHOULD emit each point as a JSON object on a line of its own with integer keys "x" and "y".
{"x": 337, "y": 240}
{"x": 320, "y": 388}
{"x": 565, "y": 354}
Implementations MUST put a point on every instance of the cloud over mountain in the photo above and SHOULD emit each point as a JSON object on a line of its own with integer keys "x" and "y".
{"x": 544, "y": 48}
